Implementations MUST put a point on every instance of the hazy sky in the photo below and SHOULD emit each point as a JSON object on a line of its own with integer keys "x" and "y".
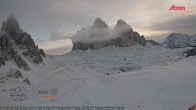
{"x": 51, "y": 23}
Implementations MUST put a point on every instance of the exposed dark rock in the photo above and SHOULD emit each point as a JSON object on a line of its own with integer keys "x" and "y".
{"x": 27, "y": 81}
{"x": 107, "y": 73}
{"x": 122, "y": 34}
{"x": 6, "y": 49}
{"x": 16, "y": 74}
{"x": 191, "y": 52}
{"x": 20, "y": 62}
{"x": 41, "y": 51}
{"x": 153, "y": 42}
{"x": 98, "y": 23}
{"x": 139, "y": 39}
{"x": 122, "y": 28}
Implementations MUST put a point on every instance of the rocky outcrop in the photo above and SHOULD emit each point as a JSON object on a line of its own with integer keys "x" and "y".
{"x": 6, "y": 49}
{"x": 14, "y": 43}
{"x": 122, "y": 34}
{"x": 153, "y": 42}
{"x": 178, "y": 40}
{"x": 94, "y": 37}
{"x": 20, "y": 62}
{"x": 191, "y": 52}
{"x": 98, "y": 36}
{"x": 16, "y": 74}
{"x": 139, "y": 39}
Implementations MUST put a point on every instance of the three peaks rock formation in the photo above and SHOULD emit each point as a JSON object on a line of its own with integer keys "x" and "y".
{"x": 15, "y": 45}
{"x": 98, "y": 36}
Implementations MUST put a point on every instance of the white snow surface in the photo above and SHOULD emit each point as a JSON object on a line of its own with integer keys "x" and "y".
{"x": 137, "y": 78}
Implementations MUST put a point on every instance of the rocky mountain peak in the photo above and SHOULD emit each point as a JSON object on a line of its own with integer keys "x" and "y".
{"x": 99, "y": 30}
{"x": 16, "y": 45}
{"x": 99, "y": 23}
{"x": 98, "y": 20}
{"x": 98, "y": 36}
{"x": 122, "y": 27}
{"x": 11, "y": 24}
{"x": 121, "y": 22}
{"x": 93, "y": 37}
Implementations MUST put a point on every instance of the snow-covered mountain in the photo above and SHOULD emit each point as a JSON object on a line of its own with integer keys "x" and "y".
{"x": 20, "y": 56}
{"x": 110, "y": 60}
{"x": 15, "y": 43}
{"x": 178, "y": 40}
{"x": 17, "y": 49}
{"x": 124, "y": 73}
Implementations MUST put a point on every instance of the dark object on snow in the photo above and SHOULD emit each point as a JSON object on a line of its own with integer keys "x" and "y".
{"x": 153, "y": 42}
{"x": 27, "y": 81}
{"x": 191, "y": 52}
{"x": 16, "y": 74}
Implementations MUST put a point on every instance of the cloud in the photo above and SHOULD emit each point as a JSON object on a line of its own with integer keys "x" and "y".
{"x": 61, "y": 36}
{"x": 100, "y": 31}
{"x": 184, "y": 24}
{"x": 56, "y": 47}
{"x": 59, "y": 51}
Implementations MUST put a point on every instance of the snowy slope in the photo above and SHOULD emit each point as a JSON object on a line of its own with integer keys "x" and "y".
{"x": 159, "y": 79}
{"x": 94, "y": 63}
{"x": 111, "y": 60}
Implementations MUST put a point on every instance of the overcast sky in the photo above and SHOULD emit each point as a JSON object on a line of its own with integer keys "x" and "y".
{"x": 51, "y": 23}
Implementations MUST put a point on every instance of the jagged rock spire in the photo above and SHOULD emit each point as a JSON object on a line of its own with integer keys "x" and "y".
{"x": 122, "y": 27}
{"x": 10, "y": 24}
{"x": 120, "y": 21}
{"x": 99, "y": 23}
{"x": 99, "y": 29}
{"x": 98, "y": 36}
{"x": 14, "y": 43}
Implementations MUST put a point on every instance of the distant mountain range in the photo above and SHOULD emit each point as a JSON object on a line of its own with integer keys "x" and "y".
{"x": 178, "y": 40}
